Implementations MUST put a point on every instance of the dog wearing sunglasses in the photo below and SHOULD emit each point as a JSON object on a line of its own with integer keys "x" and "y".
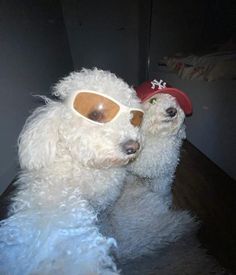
{"x": 71, "y": 152}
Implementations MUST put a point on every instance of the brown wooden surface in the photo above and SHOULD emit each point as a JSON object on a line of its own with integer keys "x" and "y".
{"x": 209, "y": 193}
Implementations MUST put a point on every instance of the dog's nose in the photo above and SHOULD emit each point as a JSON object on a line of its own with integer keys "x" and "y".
{"x": 130, "y": 147}
{"x": 171, "y": 111}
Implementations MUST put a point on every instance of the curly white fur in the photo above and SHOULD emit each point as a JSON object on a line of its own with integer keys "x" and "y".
{"x": 164, "y": 136}
{"x": 71, "y": 170}
{"x": 151, "y": 237}
{"x": 141, "y": 220}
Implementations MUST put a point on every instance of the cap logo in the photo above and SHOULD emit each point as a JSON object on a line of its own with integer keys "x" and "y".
{"x": 160, "y": 84}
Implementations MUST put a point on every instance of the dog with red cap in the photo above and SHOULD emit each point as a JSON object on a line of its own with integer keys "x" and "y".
{"x": 142, "y": 220}
{"x": 145, "y": 204}
{"x": 164, "y": 130}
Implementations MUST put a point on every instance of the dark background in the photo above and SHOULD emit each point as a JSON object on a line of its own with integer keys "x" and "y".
{"x": 42, "y": 41}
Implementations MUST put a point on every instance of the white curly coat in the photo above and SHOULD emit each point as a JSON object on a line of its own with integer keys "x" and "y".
{"x": 71, "y": 170}
{"x": 142, "y": 220}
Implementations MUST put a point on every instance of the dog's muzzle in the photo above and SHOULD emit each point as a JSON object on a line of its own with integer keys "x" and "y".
{"x": 130, "y": 147}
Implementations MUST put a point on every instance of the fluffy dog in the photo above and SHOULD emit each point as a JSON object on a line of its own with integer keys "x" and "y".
{"x": 71, "y": 160}
{"x": 152, "y": 237}
{"x": 141, "y": 220}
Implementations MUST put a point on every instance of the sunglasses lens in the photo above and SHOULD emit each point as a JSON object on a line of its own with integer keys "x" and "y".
{"x": 95, "y": 107}
{"x": 137, "y": 118}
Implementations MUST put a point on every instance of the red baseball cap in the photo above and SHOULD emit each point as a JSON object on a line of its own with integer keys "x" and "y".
{"x": 155, "y": 86}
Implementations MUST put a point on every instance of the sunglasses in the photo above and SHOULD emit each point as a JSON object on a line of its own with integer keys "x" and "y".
{"x": 100, "y": 109}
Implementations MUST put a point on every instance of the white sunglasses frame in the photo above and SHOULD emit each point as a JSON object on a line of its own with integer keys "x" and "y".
{"x": 70, "y": 102}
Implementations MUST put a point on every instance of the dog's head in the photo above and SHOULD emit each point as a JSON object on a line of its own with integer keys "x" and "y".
{"x": 163, "y": 116}
{"x": 95, "y": 122}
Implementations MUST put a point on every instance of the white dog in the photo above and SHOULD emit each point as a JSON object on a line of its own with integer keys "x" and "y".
{"x": 153, "y": 238}
{"x": 142, "y": 220}
{"x": 71, "y": 152}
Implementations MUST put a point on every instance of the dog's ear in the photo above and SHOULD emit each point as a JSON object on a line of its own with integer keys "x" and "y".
{"x": 37, "y": 142}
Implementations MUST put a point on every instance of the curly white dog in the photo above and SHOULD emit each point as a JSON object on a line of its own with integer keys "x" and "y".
{"x": 142, "y": 220}
{"x": 152, "y": 237}
{"x": 71, "y": 152}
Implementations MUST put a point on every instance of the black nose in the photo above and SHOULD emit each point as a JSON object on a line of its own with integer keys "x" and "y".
{"x": 130, "y": 147}
{"x": 171, "y": 111}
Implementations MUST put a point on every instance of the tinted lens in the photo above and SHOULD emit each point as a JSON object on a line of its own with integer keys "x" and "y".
{"x": 137, "y": 118}
{"x": 95, "y": 107}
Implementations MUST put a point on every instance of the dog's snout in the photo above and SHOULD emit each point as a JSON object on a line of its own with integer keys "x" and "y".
{"x": 130, "y": 147}
{"x": 171, "y": 111}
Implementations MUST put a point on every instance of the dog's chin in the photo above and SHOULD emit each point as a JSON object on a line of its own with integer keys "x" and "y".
{"x": 164, "y": 127}
{"x": 111, "y": 162}
{"x": 132, "y": 159}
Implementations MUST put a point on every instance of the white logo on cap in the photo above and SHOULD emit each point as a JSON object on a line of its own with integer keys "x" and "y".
{"x": 161, "y": 84}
